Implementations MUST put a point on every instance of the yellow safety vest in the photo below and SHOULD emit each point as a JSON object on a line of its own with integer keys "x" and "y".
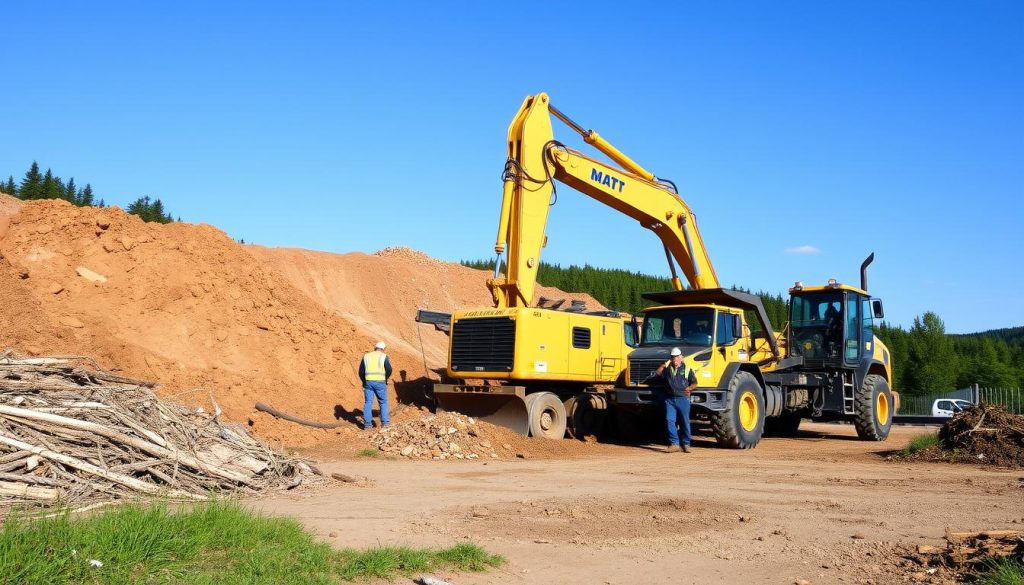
{"x": 373, "y": 366}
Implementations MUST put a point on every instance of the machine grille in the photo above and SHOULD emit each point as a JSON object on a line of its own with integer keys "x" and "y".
{"x": 641, "y": 370}
{"x": 486, "y": 344}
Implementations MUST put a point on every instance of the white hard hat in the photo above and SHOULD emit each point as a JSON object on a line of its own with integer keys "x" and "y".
{"x": 676, "y": 351}
{"x": 380, "y": 345}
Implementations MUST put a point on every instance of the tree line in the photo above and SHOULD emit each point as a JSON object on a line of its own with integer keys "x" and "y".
{"x": 925, "y": 358}
{"x": 39, "y": 185}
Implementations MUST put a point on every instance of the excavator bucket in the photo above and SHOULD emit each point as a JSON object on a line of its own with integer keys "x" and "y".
{"x": 504, "y": 406}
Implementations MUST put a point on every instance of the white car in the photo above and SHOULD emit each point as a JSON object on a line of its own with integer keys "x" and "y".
{"x": 949, "y": 406}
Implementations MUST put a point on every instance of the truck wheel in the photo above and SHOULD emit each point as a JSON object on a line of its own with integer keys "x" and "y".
{"x": 586, "y": 414}
{"x": 741, "y": 424}
{"x": 546, "y": 415}
{"x": 785, "y": 425}
{"x": 874, "y": 409}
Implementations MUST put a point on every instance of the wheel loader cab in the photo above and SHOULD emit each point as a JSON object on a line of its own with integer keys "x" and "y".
{"x": 832, "y": 326}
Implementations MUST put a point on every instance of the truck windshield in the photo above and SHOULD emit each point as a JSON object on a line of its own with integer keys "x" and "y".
{"x": 691, "y": 327}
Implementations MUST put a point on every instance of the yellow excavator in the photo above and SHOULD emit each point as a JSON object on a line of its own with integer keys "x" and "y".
{"x": 541, "y": 371}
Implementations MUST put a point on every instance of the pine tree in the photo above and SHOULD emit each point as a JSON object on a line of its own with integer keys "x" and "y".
{"x": 71, "y": 192}
{"x": 52, "y": 187}
{"x": 9, "y": 187}
{"x": 87, "y": 195}
{"x": 32, "y": 185}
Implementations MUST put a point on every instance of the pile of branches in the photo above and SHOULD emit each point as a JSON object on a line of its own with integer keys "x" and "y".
{"x": 969, "y": 550}
{"x": 73, "y": 434}
{"x": 986, "y": 433}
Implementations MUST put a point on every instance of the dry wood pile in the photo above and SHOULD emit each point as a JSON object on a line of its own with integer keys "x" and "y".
{"x": 73, "y": 434}
{"x": 974, "y": 548}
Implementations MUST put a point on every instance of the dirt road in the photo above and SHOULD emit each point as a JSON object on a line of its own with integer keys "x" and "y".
{"x": 822, "y": 507}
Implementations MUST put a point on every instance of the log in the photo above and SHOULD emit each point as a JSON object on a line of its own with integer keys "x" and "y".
{"x": 20, "y": 490}
{"x": 292, "y": 418}
{"x": 135, "y": 484}
{"x": 348, "y": 478}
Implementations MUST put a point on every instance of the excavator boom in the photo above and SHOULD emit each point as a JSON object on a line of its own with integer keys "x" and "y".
{"x": 536, "y": 160}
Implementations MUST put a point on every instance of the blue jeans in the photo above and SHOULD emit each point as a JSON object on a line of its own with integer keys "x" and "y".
{"x": 380, "y": 390}
{"x": 677, "y": 408}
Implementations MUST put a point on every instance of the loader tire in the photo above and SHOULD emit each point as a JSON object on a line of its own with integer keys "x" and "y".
{"x": 586, "y": 415}
{"x": 741, "y": 424}
{"x": 786, "y": 424}
{"x": 874, "y": 408}
{"x": 546, "y": 415}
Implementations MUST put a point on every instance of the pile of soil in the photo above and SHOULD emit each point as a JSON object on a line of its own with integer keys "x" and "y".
{"x": 186, "y": 306}
{"x": 985, "y": 434}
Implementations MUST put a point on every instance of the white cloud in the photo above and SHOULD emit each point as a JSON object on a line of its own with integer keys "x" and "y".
{"x": 805, "y": 250}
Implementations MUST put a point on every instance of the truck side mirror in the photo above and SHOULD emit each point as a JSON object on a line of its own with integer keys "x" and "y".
{"x": 737, "y": 326}
{"x": 876, "y": 308}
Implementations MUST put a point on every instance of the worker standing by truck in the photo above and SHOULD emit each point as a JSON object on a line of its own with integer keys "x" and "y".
{"x": 374, "y": 371}
{"x": 679, "y": 384}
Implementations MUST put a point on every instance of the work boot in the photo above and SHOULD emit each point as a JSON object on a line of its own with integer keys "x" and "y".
{"x": 686, "y": 448}
{"x": 672, "y": 449}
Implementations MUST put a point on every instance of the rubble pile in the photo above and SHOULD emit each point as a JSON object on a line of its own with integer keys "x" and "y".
{"x": 441, "y": 436}
{"x": 986, "y": 433}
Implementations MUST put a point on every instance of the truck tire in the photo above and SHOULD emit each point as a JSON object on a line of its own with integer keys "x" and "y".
{"x": 786, "y": 424}
{"x": 874, "y": 409}
{"x": 586, "y": 415}
{"x": 546, "y": 415}
{"x": 741, "y": 424}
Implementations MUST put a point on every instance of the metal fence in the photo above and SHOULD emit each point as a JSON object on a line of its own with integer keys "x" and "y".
{"x": 922, "y": 405}
{"x": 1011, "y": 398}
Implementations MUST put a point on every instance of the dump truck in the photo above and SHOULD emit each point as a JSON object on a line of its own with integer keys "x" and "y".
{"x": 545, "y": 371}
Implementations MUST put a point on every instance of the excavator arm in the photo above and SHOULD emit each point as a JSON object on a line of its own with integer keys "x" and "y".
{"x": 536, "y": 160}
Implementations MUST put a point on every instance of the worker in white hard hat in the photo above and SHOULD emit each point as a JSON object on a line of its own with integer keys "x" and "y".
{"x": 374, "y": 371}
{"x": 680, "y": 384}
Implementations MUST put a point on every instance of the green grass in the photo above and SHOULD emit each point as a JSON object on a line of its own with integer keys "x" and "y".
{"x": 218, "y": 542}
{"x": 1003, "y": 572}
{"x": 369, "y": 452}
{"x": 920, "y": 443}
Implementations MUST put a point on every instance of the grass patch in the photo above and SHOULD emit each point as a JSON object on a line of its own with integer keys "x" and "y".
{"x": 218, "y": 542}
{"x": 369, "y": 452}
{"x": 920, "y": 443}
{"x": 1003, "y": 572}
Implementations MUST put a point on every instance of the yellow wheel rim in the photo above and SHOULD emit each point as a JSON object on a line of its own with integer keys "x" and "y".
{"x": 748, "y": 411}
{"x": 882, "y": 408}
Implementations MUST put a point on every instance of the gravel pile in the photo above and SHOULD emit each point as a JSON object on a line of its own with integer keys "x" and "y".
{"x": 445, "y": 435}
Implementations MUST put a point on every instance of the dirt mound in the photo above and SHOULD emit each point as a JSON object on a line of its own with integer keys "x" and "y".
{"x": 986, "y": 433}
{"x": 187, "y": 306}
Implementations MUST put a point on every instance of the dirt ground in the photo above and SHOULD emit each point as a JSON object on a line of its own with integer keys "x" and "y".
{"x": 822, "y": 508}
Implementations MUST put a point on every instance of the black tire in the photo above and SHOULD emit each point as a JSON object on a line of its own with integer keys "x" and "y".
{"x": 786, "y": 424}
{"x": 586, "y": 415}
{"x": 546, "y": 415}
{"x": 874, "y": 409}
{"x": 741, "y": 424}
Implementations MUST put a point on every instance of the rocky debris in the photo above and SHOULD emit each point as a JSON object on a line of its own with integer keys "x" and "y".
{"x": 986, "y": 434}
{"x": 445, "y": 435}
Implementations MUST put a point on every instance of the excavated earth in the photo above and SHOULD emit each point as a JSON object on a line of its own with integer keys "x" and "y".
{"x": 186, "y": 306}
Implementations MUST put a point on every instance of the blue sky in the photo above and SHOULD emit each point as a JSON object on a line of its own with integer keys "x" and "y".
{"x": 893, "y": 127}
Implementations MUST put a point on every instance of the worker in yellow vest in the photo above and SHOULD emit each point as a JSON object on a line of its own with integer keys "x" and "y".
{"x": 374, "y": 371}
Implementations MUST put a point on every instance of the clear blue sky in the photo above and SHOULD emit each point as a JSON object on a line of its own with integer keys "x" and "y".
{"x": 893, "y": 127}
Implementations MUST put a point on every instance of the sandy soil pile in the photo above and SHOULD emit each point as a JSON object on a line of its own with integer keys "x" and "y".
{"x": 187, "y": 306}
